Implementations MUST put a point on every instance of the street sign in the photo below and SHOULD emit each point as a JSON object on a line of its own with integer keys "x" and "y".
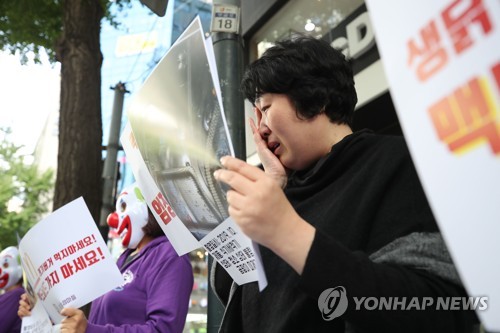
{"x": 225, "y": 18}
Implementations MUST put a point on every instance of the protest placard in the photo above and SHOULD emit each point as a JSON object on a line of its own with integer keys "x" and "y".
{"x": 66, "y": 264}
{"x": 442, "y": 62}
{"x": 176, "y": 135}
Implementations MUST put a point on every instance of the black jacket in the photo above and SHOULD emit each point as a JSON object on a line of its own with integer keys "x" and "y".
{"x": 375, "y": 236}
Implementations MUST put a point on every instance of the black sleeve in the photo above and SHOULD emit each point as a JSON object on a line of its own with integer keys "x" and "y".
{"x": 329, "y": 264}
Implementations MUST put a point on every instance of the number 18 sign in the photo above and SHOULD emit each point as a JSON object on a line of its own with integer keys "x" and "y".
{"x": 225, "y": 18}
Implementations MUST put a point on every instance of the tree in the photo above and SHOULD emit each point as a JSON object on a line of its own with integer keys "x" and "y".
{"x": 70, "y": 33}
{"x": 80, "y": 129}
{"x": 22, "y": 183}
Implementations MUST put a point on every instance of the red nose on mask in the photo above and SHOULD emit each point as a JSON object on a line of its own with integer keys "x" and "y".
{"x": 112, "y": 220}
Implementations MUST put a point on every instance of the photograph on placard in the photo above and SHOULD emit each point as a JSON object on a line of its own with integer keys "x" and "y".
{"x": 180, "y": 130}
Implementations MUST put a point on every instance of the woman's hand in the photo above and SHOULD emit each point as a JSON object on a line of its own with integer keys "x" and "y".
{"x": 24, "y": 306}
{"x": 262, "y": 211}
{"x": 75, "y": 321}
{"x": 256, "y": 202}
{"x": 270, "y": 162}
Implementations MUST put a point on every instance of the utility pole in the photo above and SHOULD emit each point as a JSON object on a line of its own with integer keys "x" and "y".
{"x": 228, "y": 49}
{"x": 110, "y": 169}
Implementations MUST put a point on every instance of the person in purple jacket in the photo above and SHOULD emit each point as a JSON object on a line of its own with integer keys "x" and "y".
{"x": 157, "y": 283}
{"x": 10, "y": 290}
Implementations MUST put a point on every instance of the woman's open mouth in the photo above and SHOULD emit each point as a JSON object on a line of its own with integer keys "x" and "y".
{"x": 273, "y": 146}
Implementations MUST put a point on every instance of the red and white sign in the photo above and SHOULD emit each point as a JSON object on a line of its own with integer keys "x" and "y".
{"x": 173, "y": 142}
{"x": 442, "y": 60}
{"x": 66, "y": 261}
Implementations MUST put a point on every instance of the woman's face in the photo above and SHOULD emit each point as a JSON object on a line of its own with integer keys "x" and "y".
{"x": 298, "y": 143}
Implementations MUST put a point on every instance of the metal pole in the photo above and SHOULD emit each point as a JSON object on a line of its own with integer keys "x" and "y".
{"x": 109, "y": 172}
{"x": 228, "y": 49}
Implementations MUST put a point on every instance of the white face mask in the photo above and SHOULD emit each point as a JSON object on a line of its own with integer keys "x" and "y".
{"x": 10, "y": 268}
{"x": 130, "y": 217}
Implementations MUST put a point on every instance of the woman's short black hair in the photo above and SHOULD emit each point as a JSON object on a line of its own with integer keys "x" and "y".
{"x": 152, "y": 228}
{"x": 315, "y": 77}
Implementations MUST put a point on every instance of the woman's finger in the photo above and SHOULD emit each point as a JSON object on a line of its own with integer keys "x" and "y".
{"x": 241, "y": 167}
{"x": 235, "y": 180}
{"x": 235, "y": 200}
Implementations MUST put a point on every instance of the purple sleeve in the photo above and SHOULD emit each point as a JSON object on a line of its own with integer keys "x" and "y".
{"x": 169, "y": 288}
{"x": 9, "y": 304}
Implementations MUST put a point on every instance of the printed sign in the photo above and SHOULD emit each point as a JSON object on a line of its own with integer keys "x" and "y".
{"x": 66, "y": 261}
{"x": 234, "y": 251}
{"x": 38, "y": 322}
{"x": 442, "y": 62}
{"x": 225, "y": 18}
{"x": 175, "y": 137}
{"x": 179, "y": 235}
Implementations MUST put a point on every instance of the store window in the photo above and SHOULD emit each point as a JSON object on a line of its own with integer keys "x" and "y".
{"x": 196, "y": 321}
{"x": 317, "y": 18}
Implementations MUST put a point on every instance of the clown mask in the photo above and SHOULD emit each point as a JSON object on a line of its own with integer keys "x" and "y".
{"x": 10, "y": 268}
{"x": 130, "y": 216}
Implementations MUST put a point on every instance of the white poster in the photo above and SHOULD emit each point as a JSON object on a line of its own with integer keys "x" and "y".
{"x": 442, "y": 61}
{"x": 66, "y": 262}
{"x": 175, "y": 137}
{"x": 38, "y": 321}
